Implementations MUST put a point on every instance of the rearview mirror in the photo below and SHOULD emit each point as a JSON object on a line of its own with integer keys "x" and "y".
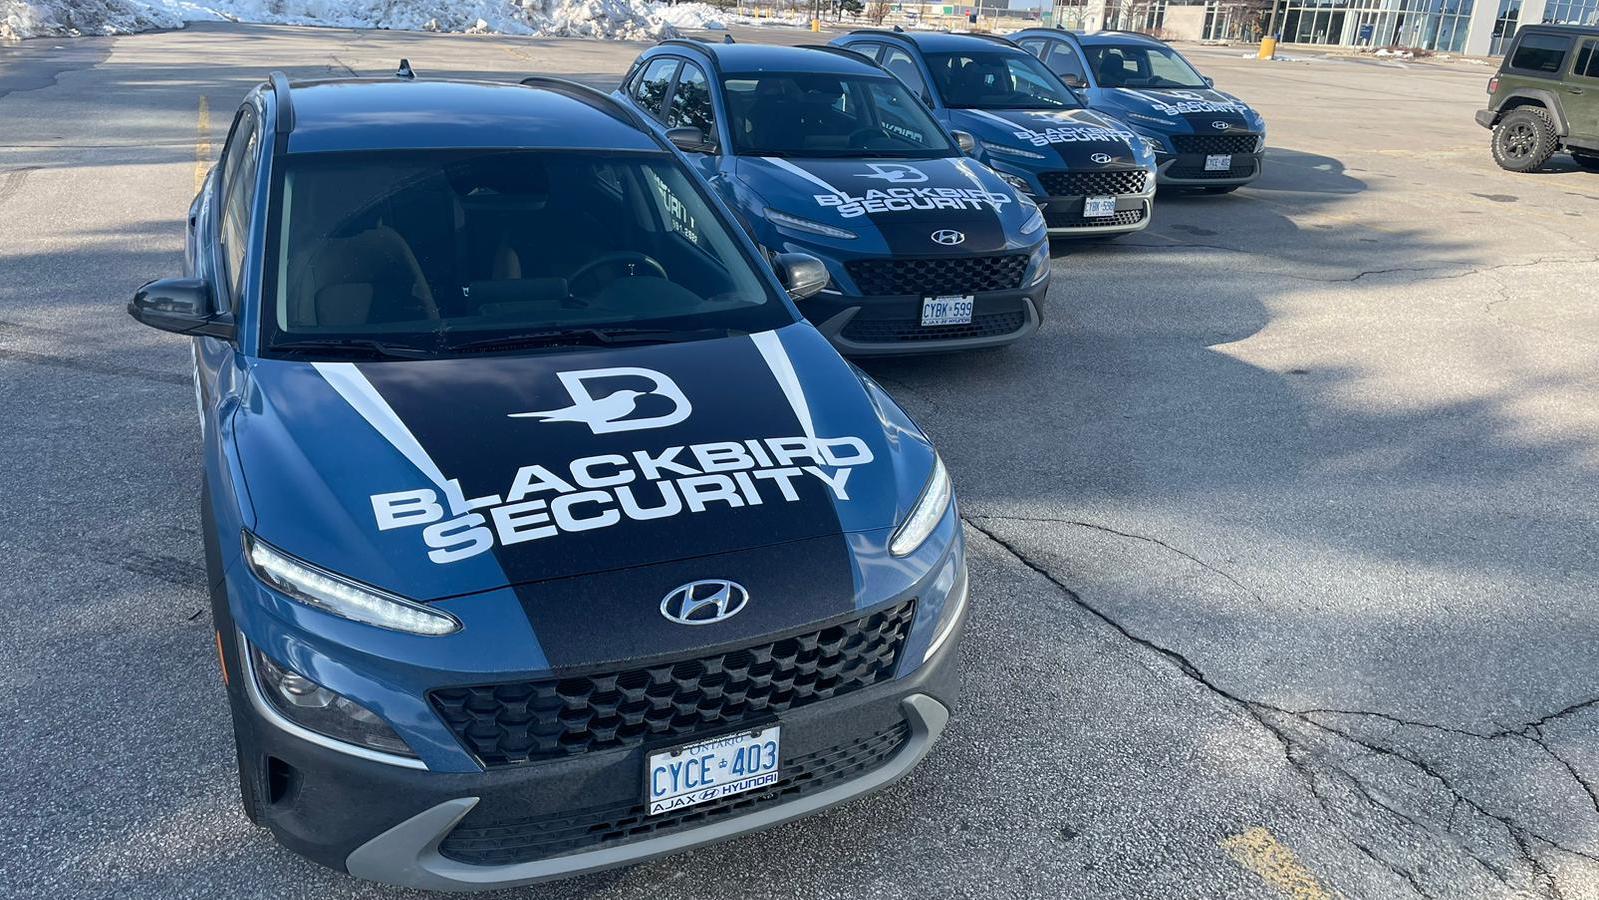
{"x": 180, "y": 305}
{"x": 801, "y": 274}
{"x": 690, "y": 139}
{"x": 965, "y": 141}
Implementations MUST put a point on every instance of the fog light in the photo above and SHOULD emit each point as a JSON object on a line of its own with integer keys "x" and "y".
{"x": 315, "y": 708}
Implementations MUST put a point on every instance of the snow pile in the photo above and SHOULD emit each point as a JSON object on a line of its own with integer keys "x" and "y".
{"x": 692, "y": 16}
{"x": 628, "y": 20}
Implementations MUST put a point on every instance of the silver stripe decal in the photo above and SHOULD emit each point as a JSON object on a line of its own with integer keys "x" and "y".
{"x": 771, "y": 347}
{"x": 364, "y": 398}
{"x": 790, "y": 167}
{"x": 1003, "y": 121}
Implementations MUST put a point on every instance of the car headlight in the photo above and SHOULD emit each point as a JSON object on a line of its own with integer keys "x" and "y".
{"x": 1260, "y": 142}
{"x": 315, "y": 708}
{"x": 926, "y": 515}
{"x": 1038, "y": 265}
{"x": 785, "y": 220}
{"x": 315, "y": 586}
{"x": 1034, "y": 221}
{"x": 1015, "y": 181}
{"x": 1153, "y": 120}
{"x": 1017, "y": 152}
{"x": 1153, "y": 145}
{"x": 954, "y": 602}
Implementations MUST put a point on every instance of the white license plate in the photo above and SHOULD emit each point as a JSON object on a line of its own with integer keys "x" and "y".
{"x": 1218, "y": 162}
{"x": 1098, "y": 207}
{"x": 698, "y": 773}
{"x": 947, "y": 310}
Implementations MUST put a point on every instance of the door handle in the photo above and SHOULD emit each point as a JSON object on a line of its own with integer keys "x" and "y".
{"x": 1574, "y": 90}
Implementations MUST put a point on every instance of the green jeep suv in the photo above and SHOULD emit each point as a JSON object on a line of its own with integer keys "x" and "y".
{"x": 1546, "y": 98}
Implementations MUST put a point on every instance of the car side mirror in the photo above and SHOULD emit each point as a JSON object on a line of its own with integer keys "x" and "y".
{"x": 180, "y": 305}
{"x": 1074, "y": 82}
{"x": 690, "y": 139}
{"x": 801, "y": 274}
{"x": 965, "y": 141}
{"x": 1209, "y": 81}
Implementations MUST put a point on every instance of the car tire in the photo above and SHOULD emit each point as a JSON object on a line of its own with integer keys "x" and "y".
{"x": 1524, "y": 139}
{"x": 1589, "y": 161}
{"x": 251, "y": 788}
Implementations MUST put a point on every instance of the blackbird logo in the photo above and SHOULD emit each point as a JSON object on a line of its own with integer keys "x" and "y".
{"x": 614, "y": 411}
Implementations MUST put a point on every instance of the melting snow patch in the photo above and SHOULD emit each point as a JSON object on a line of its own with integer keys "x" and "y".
{"x": 631, "y": 20}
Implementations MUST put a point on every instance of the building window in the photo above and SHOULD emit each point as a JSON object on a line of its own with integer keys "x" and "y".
{"x": 1505, "y": 26}
{"x": 1571, "y": 12}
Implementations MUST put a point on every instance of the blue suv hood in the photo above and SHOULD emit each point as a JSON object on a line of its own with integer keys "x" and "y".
{"x": 1183, "y": 111}
{"x": 893, "y": 200}
{"x": 1076, "y": 139}
{"x": 452, "y": 476}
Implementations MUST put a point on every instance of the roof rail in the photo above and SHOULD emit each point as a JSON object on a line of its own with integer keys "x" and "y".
{"x": 696, "y": 43}
{"x": 855, "y": 55}
{"x": 898, "y": 32}
{"x": 987, "y": 37}
{"x": 404, "y": 71}
{"x": 727, "y": 38}
{"x": 1128, "y": 31}
{"x": 280, "y": 87}
{"x": 594, "y": 97}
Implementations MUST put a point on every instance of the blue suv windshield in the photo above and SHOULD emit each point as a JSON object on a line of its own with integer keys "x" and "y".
{"x": 792, "y": 114}
{"x": 433, "y": 253}
{"x": 998, "y": 80}
{"x": 1134, "y": 66}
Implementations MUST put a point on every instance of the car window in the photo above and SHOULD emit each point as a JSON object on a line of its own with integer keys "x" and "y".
{"x": 1063, "y": 60}
{"x": 1541, "y": 52}
{"x": 240, "y": 165}
{"x": 997, "y": 80}
{"x": 900, "y": 64}
{"x": 1127, "y": 65}
{"x": 804, "y": 115}
{"x": 650, "y": 91}
{"x": 869, "y": 49}
{"x": 1587, "y": 64}
{"x": 1034, "y": 46}
{"x": 691, "y": 102}
{"x": 430, "y": 251}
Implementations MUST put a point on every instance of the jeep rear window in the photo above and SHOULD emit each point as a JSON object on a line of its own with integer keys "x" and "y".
{"x": 1541, "y": 53}
{"x": 423, "y": 252}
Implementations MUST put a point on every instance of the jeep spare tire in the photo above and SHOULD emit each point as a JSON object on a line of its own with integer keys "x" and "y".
{"x": 1524, "y": 139}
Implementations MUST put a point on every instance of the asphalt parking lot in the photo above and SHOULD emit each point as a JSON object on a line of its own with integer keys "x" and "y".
{"x": 1283, "y": 528}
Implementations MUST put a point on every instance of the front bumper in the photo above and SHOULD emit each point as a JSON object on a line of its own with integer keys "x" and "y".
{"x": 447, "y": 831}
{"x": 1063, "y": 216}
{"x": 1188, "y": 170}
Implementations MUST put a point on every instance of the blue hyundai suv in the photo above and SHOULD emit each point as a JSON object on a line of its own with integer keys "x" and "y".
{"x": 822, "y": 152}
{"x": 544, "y": 535}
{"x": 1087, "y": 171}
{"x": 1204, "y": 139}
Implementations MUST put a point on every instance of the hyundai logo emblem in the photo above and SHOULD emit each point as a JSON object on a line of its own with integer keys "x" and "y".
{"x": 948, "y": 237}
{"x": 705, "y": 602}
{"x": 1102, "y": 158}
{"x": 1220, "y": 126}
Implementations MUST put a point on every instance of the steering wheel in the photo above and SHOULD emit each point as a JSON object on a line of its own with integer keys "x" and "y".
{"x": 861, "y": 138}
{"x": 632, "y": 258}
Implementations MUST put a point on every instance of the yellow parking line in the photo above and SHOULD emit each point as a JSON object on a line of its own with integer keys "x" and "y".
{"x": 202, "y": 143}
{"x": 1261, "y": 853}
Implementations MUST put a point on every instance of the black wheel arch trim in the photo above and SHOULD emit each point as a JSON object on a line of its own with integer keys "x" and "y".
{"x": 1534, "y": 96}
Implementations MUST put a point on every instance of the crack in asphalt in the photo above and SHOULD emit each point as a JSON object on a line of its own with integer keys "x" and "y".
{"x": 1445, "y": 272}
{"x": 1303, "y": 759}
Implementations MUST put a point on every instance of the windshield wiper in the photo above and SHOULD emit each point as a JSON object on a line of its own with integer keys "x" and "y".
{"x": 586, "y": 336}
{"x": 358, "y": 346}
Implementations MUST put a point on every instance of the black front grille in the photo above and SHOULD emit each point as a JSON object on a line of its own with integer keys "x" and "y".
{"x": 507, "y": 724}
{"x": 1076, "y": 219}
{"x": 893, "y": 331}
{"x": 1240, "y": 169}
{"x": 937, "y": 275}
{"x": 1094, "y": 184}
{"x": 1215, "y": 143}
{"x": 541, "y": 837}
